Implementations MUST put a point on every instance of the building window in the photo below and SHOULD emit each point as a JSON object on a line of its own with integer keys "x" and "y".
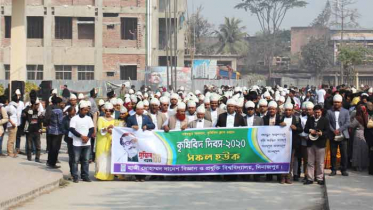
{"x": 110, "y": 74}
{"x": 129, "y": 28}
{"x": 7, "y": 71}
{"x": 63, "y": 28}
{"x": 8, "y": 26}
{"x": 128, "y": 72}
{"x": 35, "y": 27}
{"x": 86, "y": 72}
{"x": 63, "y": 72}
{"x": 34, "y": 72}
{"x": 86, "y": 28}
{"x": 163, "y": 32}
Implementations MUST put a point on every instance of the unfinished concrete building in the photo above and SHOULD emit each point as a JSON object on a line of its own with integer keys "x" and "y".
{"x": 90, "y": 39}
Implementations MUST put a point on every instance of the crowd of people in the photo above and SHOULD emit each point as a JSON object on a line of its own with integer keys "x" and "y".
{"x": 322, "y": 121}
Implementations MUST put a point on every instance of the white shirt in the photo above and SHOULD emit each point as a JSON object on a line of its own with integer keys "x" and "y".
{"x": 200, "y": 123}
{"x": 20, "y": 108}
{"x": 250, "y": 120}
{"x": 214, "y": 117}
{"x": 303, "y": 121}
{"x": 154, "y": 119}
{"x": 230, "y": 120}
{"x": 288, "y": 121}
{"x": 178, "y": 125}
{"x": 139, "y": 121}
{"x": 336, "y": 119}
{"x": 320, "y": 95}
{"x": 191, "y": 118}
{"x": 12, "y": 112}
{"x": 82, "y": 126}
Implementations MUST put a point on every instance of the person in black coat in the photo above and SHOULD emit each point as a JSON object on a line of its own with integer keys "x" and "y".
{"x": 295, "y": 125}
{"x": 318, "y": 127}
{"x": 230, "y": 119}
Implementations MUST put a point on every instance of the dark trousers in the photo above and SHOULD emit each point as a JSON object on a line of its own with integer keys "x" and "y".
{"x": 48, "y": 141}
{"x": 54, "y": 149}
{"x": 81, "y": 154}
{"x": 18, "y": 138}
{"x": 33, "y": 138}
{"x": 70, "y": 151}
{"x": 333, "y": 153}
{"x": 93, "y": 154}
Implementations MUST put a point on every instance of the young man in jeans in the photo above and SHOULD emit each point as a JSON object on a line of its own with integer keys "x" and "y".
{"x": 33, "y": 129}
{"x": 81, "y": 128}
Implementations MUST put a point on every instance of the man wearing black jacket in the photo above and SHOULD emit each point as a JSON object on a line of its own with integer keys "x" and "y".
{"x": 317, "y": 126}
{"x": 295, "y": 125}
{"x": 33, "y": 129}
{"x": 230, "y": 119}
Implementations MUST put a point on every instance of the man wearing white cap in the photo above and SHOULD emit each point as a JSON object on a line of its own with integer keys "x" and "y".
{"x": 230, "y": 119}
{"x": 33, "y": 130}
{"x": 294, "y": 124}
{"x": 179, "y": 121}
{"x": 263, "y": 108}
{"x": 191, "y": 113}
{"x": 339, "y": 121}
{"x": 157, "y": 117}
{"x": 213, "y": 113}
{"x": 72, "y": 102}
{"x": 207, "y": 103}
{"x": 82, "y": 129}
{"x": 251, "y": 119}
{"x": 239, "y": 108}
{"x": 139, "y": 120}
{"x": 174, "y": 100}
{"x": 200, "y": 122}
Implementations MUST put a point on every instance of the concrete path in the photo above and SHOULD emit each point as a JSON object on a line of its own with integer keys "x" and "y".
{"x": 352, "y": 192}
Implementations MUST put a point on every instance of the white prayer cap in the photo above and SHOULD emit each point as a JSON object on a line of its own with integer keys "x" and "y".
{"x": 309, "y": 105}
{"x": 237, "y": 89}
{"x": 201, "y": 109}
{"x": 72, "y": 97}
{"x": 146, "y": 103}
{"x": 263, "y": 102}
{"x": 140, "y": 105}
{"x": 133, "y": 99}
{"x": 223, "y": 106}
{"x": 201, "y": 97}
{"x": 280, "y": 89}
{"x": 123, "y": 110}
{"x": 113, "y": 101}
{"x": 272, "y": 104}
{"x": 182, "y": 88}
{"x": 80, "y": 96}
{"x": 54, "y": 91}
{"x": 365, "y": 94}
{"x": 181, "y": 105}
{"x": 255, "y": 87}
{"x": 283, "y": 93}
{"x": 83, "y": 104}
{"x": 214, "y": 97}
{"x": 101, "y": 102}
{"x": 191, "y": 103}
{"x": 282, "y": 99}
{"x": 240, "y": 102}
{"x": 108, "y": 106}
{"x": 174, "y": 96}
{"x": 266, "y": 94}
{"x": 89, "y": 103}
{"x": 146, "y": 95}
{"x": 232, "y": 102}
{"x": 337, "y": 98}
{"x": 126, "y": 95}
{"x": 119, "y": 101}
{"x": 164, "y": 100}
{"x": 158, "y": 94}
{"x": 131, "y": 91}
{"x": 249, "y": 104}
{"x": 304, "y": 105}
{"x": 155, "y": 101}
{"x": 138, "y": 93}
{"x": 167, "y": 94}
{"x": 207, "y": 100}
{"x": 18, "y": 92}
{"x": 127, "y": 100}
{"x": 288, "y": 106}
{"x": 208, "y": 94}
{"x": 197, "y": 92}
{"x": 370, "y": 90}
{"x": 353, "y": 90}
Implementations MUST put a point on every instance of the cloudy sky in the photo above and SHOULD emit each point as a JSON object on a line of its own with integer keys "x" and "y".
{"x": 216, "y": 10}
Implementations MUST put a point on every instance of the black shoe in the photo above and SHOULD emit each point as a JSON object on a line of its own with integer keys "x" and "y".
{"x": 87, "y": 180}
{"x": 320, "y": 182}
{"x": 333, "y": 173}
{"x": 308, "y": 182}
{"x": 38, "y": 161}
{"x": 344, "y": 173}
{"x": 29, "y": 159}
{"x": 76, "y": 180}
{"x": 296, "y": 178}
{"x": 54, "y": 167}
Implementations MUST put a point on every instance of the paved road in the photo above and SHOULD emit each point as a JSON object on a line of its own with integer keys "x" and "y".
{"x": 178, "y": 195}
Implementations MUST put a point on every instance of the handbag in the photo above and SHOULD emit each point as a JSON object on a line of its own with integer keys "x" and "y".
{"x": 370, "y": 123}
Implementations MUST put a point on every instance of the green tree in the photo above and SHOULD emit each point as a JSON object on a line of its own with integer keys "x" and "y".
{"x": 199, "y": 28}
{"x": 270, "y": 14}
{"x": 351, "y": 55}
{"x": 316, "y": 56}
{"x": 231, "y": 37}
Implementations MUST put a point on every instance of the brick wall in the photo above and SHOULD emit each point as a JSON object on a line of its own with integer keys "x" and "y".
{"x": 124, "y": 3}
{"x": 112, "y": 62}
{"x": 300, "y": 36}
{"x": 35, "y": 2}
{"x": 72, "y": 2}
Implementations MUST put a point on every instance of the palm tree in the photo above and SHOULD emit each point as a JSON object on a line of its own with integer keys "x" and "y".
{"x": 231, "y": 36}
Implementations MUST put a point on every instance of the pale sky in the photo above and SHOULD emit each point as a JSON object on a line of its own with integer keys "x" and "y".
{"x": 216, "y": 10}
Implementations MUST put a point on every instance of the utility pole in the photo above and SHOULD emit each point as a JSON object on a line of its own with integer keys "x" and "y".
{"x": 18, "y": 43}
{"x": 170, "y": 29}
{"x": 175, "y": 35}
{"x": 167, "y": 37}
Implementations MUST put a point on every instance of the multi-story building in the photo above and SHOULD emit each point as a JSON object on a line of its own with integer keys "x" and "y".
{"x": 91, "y": 39}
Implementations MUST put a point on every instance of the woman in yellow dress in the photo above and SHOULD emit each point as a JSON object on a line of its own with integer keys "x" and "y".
{"x": 105, "y": 125}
